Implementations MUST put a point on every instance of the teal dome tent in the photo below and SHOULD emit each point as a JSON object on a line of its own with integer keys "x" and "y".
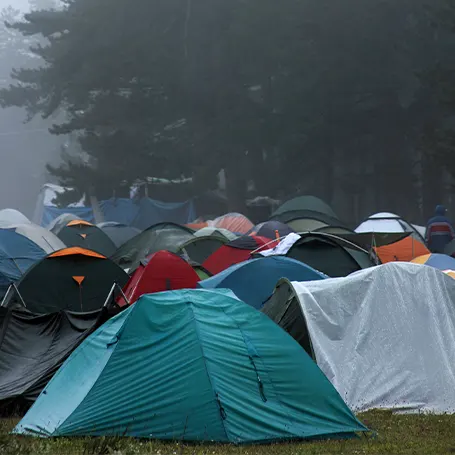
{"x": 193, "y": 365}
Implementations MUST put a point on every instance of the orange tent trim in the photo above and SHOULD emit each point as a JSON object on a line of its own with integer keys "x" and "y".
{"x": 404, "y": 250}
{"x": 79, "y": 223}
{"x": 79, "y": 279}
{"x": 84, "y": 236}
{"x": 74, "y": 251}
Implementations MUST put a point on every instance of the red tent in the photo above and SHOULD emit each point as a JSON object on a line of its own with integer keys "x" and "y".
{"x": 234, "y": 252}
{"x": 161, "y": 271}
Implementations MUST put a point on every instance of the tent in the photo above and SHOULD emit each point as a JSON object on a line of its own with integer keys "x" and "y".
{"x": 302, "y": 203}
{"x": 404, "y": 250}
{"x": 330, "y": 254}
{"x": 198, "y": 249}
{"x": 33, "y": 348}
{"x": 161, "y": 271}
{"x": 253, "y": 281}
{"x": 44, "y": 238}
{"x": 17, "y": 255}
{"x": 388, "y": 222}
{"x": 199, "y": 366}
{"x": 163, "y": 236}
{"x": 271, "y": 229}
{"x": 383, "y": 336}
{"x": 234, "y": 252}
{"x": 438, "y": 261}
{"x": 234, "y": 222}
{"x": 72, "y": 279}
{"x": 57, "y": 224}
{"x": 85, "y": 235}
{"x": 12, "y": 216}
{"x": 118, "y": 233}
{"x": 216, "y": 232}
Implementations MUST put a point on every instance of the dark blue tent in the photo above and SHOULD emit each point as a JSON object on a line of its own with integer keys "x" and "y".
{"x": 17, "y": 255}
{"x": 254, "y": 281}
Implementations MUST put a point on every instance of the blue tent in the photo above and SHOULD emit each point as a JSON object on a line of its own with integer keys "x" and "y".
{"x": 254, "y": 281}
{"x": 191, "y": 365}
{"x": 17, "y": 255}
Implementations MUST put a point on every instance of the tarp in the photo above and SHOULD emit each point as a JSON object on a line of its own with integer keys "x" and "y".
{"x": 33, "y": 347}
{"x": 385, "y": 336}
{"x": 81, "y": 213}
{"x": 253, "y": 281}
{"x": 147, "y": 212}
{"x": 191, "y": 365}
{"x": 139, "y": 214}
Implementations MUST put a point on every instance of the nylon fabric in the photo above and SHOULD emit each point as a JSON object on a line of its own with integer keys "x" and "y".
{"x": 33, "y": 347}
{"x": 253, "y": 281}
{"x": 184, "y": 365}
{"x": 384, "y": 336}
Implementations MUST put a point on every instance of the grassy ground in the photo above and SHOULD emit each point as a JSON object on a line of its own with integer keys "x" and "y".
{"x": 413, "y": 434}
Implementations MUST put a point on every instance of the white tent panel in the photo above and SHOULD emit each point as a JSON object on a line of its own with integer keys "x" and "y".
{"x": 385, "y": 336}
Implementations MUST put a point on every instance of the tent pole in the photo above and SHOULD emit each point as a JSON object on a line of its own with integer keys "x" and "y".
{"x": 123, "y": 294}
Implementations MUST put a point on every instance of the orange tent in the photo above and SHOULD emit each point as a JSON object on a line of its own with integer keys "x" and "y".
{"x": 405, "y": 250}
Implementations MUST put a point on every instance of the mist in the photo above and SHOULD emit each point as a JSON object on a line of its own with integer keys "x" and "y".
{"x": 25, "y": 147}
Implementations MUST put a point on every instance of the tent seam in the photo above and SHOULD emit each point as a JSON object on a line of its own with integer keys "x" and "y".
{"x": 264, "y": 366}
{"x": 205, "y": 366}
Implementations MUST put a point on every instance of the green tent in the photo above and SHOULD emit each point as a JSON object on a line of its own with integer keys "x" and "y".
{"x": 162, "y": 236}
{"x": 331, "y": 254}
{"x": 191, "y": 365}
{"x": 305, "y": 203}
{"x": 72, "y": 279}
{"x": 81, "y": 234}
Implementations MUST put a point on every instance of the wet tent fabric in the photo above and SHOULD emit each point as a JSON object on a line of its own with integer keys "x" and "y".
{"x": 388, "y": 222}
{"x": 42, "y": 237}
{"x": 206, "y": 366}
{"x": 12, "y": 216}
{"x": 333, "y": 256}
{"x": 33, "y": 347}
{"x": 162, "y": 271}
{"x": 17, "y": 255}
{"x": 405, "y": 250}
{"x": 72, "y": 279}
{"x": 234, "y": 252}
{"x": 271, "y": 229}
{"x": 234, "y": 222}
{"x": 385, "y": 336}
{"x": 253, "y": 281}
{"x": 119, "y": 233}
{"x": 82, "y": 234}
{"x": 216, "y": 232}
{"x": 198, "y": 249}
{"x": 163, "y": 236}
{"x": 310, "y": 203}
{"x": 438, "y": 261}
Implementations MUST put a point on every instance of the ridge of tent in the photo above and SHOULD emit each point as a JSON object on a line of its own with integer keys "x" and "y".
{"x": 75, "y": 250}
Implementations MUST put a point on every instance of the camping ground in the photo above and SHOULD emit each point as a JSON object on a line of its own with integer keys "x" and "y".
{"x": 394, "y": 434}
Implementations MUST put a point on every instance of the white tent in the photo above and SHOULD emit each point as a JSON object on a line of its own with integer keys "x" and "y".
{"x": 385, "y": 336}
{"x": 12, "y": 216}
{"x": 386, "y": 222}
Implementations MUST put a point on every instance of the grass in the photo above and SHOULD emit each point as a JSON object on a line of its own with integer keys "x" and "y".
{"x": 396, "y": 434}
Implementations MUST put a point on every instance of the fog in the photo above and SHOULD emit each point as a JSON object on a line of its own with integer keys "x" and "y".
{"x": 25, "y": 148}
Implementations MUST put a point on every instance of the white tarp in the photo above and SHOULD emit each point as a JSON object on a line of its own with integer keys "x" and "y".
{"x": 385, "y": 336}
